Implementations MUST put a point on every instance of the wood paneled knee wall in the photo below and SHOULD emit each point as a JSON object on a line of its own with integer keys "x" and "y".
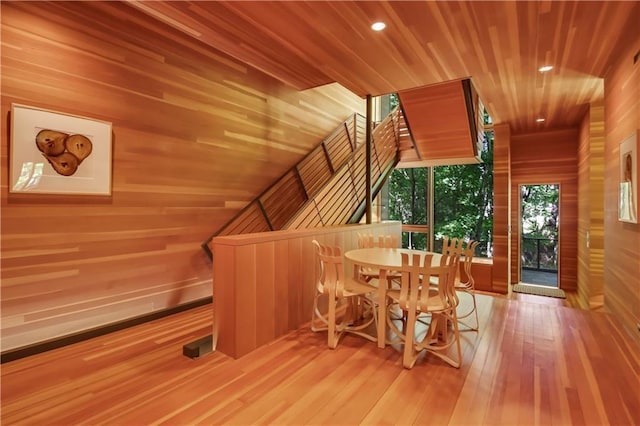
{"x": 264, "y": 283}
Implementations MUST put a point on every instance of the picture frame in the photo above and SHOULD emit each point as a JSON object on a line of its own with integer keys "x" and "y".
{"x": 628, "y": 187}
{"x": 54, "y": 152}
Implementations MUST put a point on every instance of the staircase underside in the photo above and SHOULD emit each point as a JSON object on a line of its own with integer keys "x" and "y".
{"x": 445, "y": 121}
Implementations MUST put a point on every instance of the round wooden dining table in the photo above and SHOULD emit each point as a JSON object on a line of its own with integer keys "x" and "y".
{"x": 384, "y": 260}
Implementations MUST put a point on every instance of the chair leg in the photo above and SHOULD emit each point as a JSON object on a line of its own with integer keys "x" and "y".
{"x": 319, "y": 321}
{"x": 313, "y": 312}
{"x": 473, "y": 311}
{"x": 456, "y": 335}
{"x": 435, "y": 329}
{"x": 358, "y": 309}
{"x": 362, "y": 323}
{"x": 457, "y": 361}
{"x": 410, "y": 354}
{"x": 374, "y": 311}
{"x": 393, "y": 329}
{"x": 316, "y": 316}
{"x": 332, "y": 339}
{"x": 440, "y": 346}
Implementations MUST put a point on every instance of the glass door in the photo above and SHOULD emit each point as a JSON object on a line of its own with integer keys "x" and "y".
{"x": 539, "y": 247}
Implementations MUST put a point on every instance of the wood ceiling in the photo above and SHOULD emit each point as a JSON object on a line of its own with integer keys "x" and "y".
{"x": 499, "y": 45}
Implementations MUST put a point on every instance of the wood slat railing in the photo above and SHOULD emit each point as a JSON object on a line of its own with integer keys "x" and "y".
{"x": 328, "y": 186}
{"x": 343, "y": 199}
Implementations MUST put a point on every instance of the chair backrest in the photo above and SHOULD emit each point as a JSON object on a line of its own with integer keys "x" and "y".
{"x": 331, "y": 276}
{"x": 448, "y": 292}
{"x": 369, "y": 240}
{"x": 469, "y": 252}
{"x": 365, "y": 240}
{"x": 388, "y": 241}
{"x": 452, "y": 246}
{"x": 414, "y": 295}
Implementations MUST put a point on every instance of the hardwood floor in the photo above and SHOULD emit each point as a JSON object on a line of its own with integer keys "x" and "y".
{"x": 533, "y": 362}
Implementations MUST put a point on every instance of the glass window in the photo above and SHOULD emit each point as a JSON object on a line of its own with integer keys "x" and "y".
{"x": 462, "y": 200}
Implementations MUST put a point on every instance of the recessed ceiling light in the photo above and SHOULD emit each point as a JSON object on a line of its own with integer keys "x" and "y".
{"x": 539, "y": 120}
{"x": 378, "y": 26}
{"x": 545, "y": 68}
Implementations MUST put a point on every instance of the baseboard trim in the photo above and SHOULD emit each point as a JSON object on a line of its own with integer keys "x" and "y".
{"x": 36, "y": 348}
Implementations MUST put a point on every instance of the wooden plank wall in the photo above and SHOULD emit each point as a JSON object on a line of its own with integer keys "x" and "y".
{"x": 501, "y": 208}
{"x": 591, "y": 209}
{"x": 622, "y": 240}
{"x": 197, "y": 135}
{"x": 264, "y": 283}
{"x": 548, "y": 157}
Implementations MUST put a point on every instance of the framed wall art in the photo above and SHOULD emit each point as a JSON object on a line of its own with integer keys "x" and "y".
{"x": 628, "y": 193}
{"x": 56, "y": 153}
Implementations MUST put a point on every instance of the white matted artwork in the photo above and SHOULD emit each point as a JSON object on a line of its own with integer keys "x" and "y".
{"x": 628, "y": 194}
{"x": 57, "y": 153}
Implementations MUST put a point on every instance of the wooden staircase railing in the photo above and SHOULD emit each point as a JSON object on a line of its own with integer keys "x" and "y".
{"x": 327, "y": 187}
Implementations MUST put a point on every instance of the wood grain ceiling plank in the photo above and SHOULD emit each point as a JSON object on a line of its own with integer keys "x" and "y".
{"x": 230, "y": 27}
{"x": 500, "y": 45}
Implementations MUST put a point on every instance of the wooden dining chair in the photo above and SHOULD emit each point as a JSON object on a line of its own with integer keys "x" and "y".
{"x": 457, "y": 247}
{"x": 450, "y": 247}
{"x": 350, "y": 304}
{"x": 385, "y": 241}
{"x": 416, "y": 299}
